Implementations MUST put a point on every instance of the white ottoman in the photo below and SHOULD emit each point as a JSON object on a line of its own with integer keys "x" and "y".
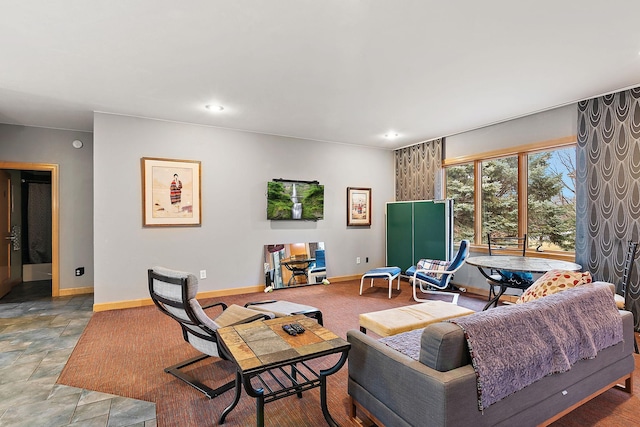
{"x": 285, "y": 308}
{"x": 402, "y": 319}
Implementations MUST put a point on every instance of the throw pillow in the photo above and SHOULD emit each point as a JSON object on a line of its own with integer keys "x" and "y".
{"x": 433, "y": 264}
{"x": 552, "y": 282}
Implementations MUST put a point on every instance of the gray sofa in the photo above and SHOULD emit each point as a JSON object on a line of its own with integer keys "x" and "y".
{"x": 439, "y": 389}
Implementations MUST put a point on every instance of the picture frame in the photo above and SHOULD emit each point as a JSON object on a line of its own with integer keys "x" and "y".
{"x": 171, "y": 192}
{"x": 358, "y": 206}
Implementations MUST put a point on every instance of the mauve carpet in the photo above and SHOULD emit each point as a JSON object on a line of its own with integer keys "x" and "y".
{"x": 124, "y": 352}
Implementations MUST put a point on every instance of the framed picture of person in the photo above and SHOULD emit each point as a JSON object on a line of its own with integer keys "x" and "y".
{"x": 170, "y": 192}
{"x": 358, "y": 206}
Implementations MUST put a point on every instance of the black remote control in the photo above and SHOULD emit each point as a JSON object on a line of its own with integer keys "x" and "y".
{"x": 297, "y": 327}
{"x": 288, "y": 329}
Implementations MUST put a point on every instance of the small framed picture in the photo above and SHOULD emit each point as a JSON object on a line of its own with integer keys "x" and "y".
{"x": 170, "y": 192}
{"x": 358, "y": 206}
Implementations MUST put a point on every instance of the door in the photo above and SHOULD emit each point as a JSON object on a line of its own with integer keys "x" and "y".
{"x": 5, "y": 233}
{"x": 55, "y": 215}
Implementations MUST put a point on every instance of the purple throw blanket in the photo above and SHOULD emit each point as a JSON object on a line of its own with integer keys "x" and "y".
{"x": 513, "y": 346}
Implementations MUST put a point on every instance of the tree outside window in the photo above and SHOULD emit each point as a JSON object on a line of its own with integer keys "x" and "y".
{"x": 460, "y": 188}
{"x": 551, "y": 200}
{"x": 500, "y": 197}
{"x": 549, "y": 194}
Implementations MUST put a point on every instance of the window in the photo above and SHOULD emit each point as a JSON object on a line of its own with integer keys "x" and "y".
{"x": 499, "y": 197}
{"x": 460, "y": 189}
{"x": 551, "y": 200}
{"x": 529, "y": 191}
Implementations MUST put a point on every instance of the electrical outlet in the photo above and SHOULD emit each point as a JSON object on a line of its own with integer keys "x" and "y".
{"x": 79, "y": 271}
{"x": 357, "y": 260}
{"x": 203, "y": 274}
{"x": 366, "y": 259}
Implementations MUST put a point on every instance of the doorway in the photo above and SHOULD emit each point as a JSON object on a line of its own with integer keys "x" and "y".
{"x": 5, "y": 222}
{"x": 50, "y": 171}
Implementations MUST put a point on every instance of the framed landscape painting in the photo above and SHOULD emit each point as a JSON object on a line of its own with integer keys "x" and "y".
{"x": 358, "y": 206}
{"x": 170, "y": 192}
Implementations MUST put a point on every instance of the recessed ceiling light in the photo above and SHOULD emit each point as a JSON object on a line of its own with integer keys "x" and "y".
{"x": 215, "y": 108}
{"x": 391, "y": 135}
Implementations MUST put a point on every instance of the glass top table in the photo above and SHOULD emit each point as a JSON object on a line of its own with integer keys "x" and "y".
{"x": 520, "y": 263}
{"x": 514, "y": 263}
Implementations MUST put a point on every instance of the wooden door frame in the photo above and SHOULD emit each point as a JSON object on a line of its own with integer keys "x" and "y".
{"x": 55, "y": 214}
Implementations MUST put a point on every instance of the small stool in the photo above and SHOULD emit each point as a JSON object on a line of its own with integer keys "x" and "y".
{"x": 388, "y": 273}
{"x": 285, "y": 308}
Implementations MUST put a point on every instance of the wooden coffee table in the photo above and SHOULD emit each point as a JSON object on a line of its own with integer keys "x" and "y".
{"x": 262, "y": 350}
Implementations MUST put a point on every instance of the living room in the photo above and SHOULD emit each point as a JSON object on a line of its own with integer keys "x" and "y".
{"x": 244, "y": 162}
{"x": 99, "y": 188}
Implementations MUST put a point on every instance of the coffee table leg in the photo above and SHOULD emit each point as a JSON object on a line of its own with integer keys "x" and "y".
{"x": 323, "y": 388}
{"x": 259, "y": 395}
{"x": 260, "y": 411}
{"x": 236, "y": 398}
{"x": 294, "y": 376}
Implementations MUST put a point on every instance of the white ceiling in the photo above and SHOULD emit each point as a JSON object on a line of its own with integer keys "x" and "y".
{"x": 345, "y": 71}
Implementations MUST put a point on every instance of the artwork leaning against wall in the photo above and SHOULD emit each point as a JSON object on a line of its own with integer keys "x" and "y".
{"x": 294, "y": 264}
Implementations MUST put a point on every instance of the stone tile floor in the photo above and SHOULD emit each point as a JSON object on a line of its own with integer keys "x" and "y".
{"x": 37, "y": 335}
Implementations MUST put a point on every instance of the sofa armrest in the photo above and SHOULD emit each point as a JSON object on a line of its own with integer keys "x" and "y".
{"x": 379, "y": 375}
{"x": 601, "y": 283}
{"x": 443, "y": 347}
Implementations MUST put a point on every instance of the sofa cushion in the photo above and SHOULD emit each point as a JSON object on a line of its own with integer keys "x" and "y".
{"x": 407, "y": 343}
{"x": 440, "y": 346}
{"x": 554, "y": 281}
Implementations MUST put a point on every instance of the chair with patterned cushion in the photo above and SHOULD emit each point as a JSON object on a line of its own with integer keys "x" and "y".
{"x": 621, "y": 294}
{"x": 507, "y": 245}
{"x": 174, "y": 293}
{"x": 629, "y": 261}
{"x": 434, "y": 276}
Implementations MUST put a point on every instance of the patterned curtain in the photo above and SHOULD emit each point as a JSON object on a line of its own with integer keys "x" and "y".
{"x": 608, "y": 187}
{"x": 419, "y": 171}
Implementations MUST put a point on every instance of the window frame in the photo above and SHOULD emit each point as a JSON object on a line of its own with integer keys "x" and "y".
{"x": 522, "y": 153}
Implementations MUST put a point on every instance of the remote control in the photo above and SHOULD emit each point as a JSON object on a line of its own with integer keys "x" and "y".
{"x": 288, "y": 329}
{"x": 297, "y": 327}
